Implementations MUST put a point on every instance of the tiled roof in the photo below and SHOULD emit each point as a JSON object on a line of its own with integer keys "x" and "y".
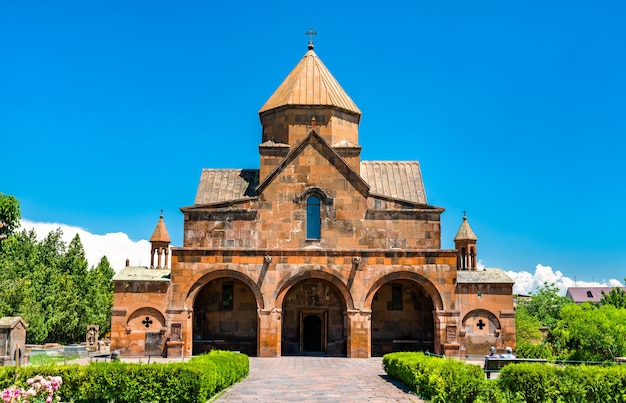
{"x": 222, "y": 185}
{"x": 310, "y": 83}
{"x": 489, "y": 276}
{"x": 588, "y": 294}
{"x": 397, "y": 179}
{"x": 132, "y": 273}
{"x": 400, "y": 180}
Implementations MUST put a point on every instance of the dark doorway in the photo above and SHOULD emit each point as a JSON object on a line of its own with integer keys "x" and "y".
{"x": 313, "y": 320}
{"x": 312, "y": 334}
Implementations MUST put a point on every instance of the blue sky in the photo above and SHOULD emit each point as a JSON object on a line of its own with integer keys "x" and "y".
{"x": 515, "y": 110}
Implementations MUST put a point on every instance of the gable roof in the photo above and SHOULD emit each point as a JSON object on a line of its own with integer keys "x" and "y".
{"x": 358, "y": 181}
{"x": 396, "y": 179}
{"x": 310, "y": 83}
{"x": 588, "y": 294}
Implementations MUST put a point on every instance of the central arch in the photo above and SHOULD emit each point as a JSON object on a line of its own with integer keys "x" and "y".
{"x": 314, "y": 319}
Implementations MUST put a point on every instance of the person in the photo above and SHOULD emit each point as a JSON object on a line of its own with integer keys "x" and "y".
{"x": 492, "y": 353}
{"x": 508, "y": 353}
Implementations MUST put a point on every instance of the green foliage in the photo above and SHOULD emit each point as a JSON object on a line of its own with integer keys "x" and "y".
{"x": 229, "y": 368}
{"x": 592, "y": 333}
{"x": 525, "y": 349}
{"x": 535, "y": 382}
{"x": 10, "y": 214}
{"x": 616, "y": 297}
{"x": 50, "y": 286}
{"x": 449, "y": 380}
{"x": 571, "y": 384}
{"x": 545, "y": 305}
{"x": 527, "y": 327}
{"x": 193, "y": 381}
{"x": 437, "y": 379}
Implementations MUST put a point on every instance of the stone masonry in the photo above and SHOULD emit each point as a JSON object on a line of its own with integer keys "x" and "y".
{"x": 316, "y": 252}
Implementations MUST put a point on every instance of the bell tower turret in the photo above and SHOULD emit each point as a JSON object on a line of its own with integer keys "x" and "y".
{"x": 465, "y": 245}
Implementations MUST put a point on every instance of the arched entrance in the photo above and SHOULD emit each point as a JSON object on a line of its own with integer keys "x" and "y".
{"x": 225, "y": 317}
{"x": 313, "y": 319}
{"x": 402, "y": 318}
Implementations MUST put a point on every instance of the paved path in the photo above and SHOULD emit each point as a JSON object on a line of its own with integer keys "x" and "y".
{"x": 317, "y": 380}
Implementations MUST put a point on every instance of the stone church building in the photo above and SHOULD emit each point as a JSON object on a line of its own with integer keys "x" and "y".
{"x": 316, "y": 252}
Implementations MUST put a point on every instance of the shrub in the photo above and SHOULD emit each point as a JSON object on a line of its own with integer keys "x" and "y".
{"x": 449, "y": 380}
{"x": 526, "y": 349}
{"x": 193, "y": 381}
{"x": 438, "y": 379}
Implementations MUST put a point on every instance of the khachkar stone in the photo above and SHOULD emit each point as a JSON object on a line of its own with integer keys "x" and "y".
{"x": 92, "y": 337}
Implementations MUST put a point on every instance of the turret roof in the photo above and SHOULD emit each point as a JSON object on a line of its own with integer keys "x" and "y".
{"x": 310, "y": 83}
{"x": 160, "y": 232}
{"x": 465, "y": 233}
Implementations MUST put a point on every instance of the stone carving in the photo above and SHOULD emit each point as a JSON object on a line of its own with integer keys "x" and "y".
{"x": 91, "y": 340}
{"x": 176, "y": 332}
{"x": 451, "y": 334}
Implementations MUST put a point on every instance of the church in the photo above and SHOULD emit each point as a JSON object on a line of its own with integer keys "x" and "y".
{"x": 316, "y": 252}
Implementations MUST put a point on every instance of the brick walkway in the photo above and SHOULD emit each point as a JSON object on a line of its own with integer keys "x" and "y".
{"x": 317, "y": 380}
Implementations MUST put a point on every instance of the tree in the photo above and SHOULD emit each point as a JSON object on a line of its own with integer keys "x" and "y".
{"x": 10, "y": 215}
{"x": 616, "y": 297}
{"x": 51, "y": 287}
{"x": 100, "y": 279}
{"x": 592, "y": 333}
{"x": 546, "y": 305}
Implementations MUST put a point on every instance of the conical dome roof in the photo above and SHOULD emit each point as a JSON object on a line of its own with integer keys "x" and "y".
{"x": 465, "y": 233}
{"x": 310, "y": 83}
{"x": 160, "y": 232}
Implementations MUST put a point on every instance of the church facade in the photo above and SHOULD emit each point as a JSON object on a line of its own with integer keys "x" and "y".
{"x": 315, "y": 252}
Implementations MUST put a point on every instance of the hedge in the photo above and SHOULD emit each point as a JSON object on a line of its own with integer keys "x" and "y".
{"x": 450, "y": 380}
{"x": 441, "y": 380}
{"x": 196, "y": 380}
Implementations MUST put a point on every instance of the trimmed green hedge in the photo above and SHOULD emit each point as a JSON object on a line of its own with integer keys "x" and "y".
{"x": 193, "y": 381}
{"x": 437, "y": 379}
{"x": 450, "y": 380}
{"x": 572, "y": 383}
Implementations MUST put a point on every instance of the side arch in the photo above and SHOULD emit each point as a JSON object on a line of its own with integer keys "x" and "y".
{"x": 207, "y": 278}
{"x": 405, "y": 275}
{"x": 483, "y": 313}
{"x": 144, "y": 318}
{"x": 480, "y": 330}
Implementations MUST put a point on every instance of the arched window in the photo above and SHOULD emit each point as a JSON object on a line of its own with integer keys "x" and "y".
{"x": 313, "y": 222}
{"x": 463, "y": 259}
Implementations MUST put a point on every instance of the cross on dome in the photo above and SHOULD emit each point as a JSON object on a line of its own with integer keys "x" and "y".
{"x": 311, "y": 33}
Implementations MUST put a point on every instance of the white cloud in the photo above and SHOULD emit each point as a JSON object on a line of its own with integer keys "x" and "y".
{"x": 117, "y": 246}
{"x": 526, "y": 282}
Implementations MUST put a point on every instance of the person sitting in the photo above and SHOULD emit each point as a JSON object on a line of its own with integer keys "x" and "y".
{"x": 508, "y": 353}
{"x": 492, "y": 353}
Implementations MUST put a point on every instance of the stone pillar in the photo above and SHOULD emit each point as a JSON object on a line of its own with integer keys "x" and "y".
{"x": 359, "y": 333}
{"x": 269, "y": 334}
{"x": 447, "y": 333}
{"x": 174, "y": 346}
